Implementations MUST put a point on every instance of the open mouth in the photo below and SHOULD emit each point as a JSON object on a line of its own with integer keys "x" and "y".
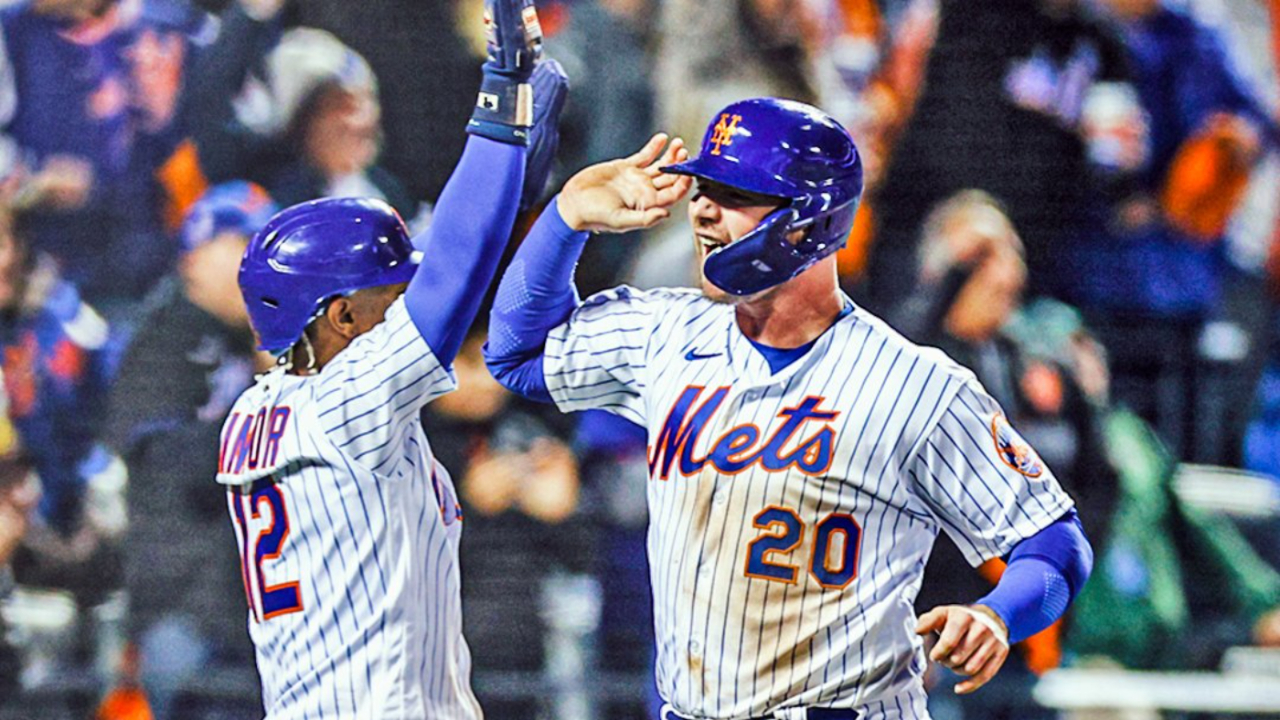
{"x": 710, "y": 244}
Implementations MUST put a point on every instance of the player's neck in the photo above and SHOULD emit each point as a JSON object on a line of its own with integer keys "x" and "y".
{"x": 310, "y": 355}
{"x": 792, "y": 316}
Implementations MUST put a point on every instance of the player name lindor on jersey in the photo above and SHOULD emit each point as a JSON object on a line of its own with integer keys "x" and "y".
{"x": 257, "y": 440}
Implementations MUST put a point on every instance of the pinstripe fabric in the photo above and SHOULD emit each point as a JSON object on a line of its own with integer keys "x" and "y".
{"x": 910, "y": 450}
{"x": 373, "y": 526}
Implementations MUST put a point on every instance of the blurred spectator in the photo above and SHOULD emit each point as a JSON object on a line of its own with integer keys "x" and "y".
{"x": 603, "y": 45}
{"x": 54, "y": 370}
{"x": 1150, "y": 277}
{"x": 1034, "y": 358}
{"x": 18, "y": 497}
{"x": 519, "y": 483}
{"x": 301, "y": 117}
{"x": 1027, "y": 100}
{"x": 1047, "y": 376}
{"x": 710, "y": 54}
{"x": 55, "y": 377}
{"x": 417, "y": 53}
{"x": 414, "y": 49}
{"x": 190, "y": 359}
{"x": 615, "y": 475}
{"x": 93, "y": 106}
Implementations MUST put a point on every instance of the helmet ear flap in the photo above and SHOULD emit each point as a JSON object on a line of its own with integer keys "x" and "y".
{"x": 830, "y": 223}
{"x": 754, "y": 261}
{"x": 765, "y": 257}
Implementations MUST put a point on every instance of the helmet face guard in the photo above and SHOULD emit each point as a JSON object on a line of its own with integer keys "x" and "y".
{"x": 310, "y": 253}
{"x": 791, "y": 151}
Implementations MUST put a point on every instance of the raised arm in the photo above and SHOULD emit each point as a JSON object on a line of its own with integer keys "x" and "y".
{"x": 536, "y": 293}
{"x": 519, "y": 102}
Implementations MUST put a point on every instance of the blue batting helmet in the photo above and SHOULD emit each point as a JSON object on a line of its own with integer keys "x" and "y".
{"x": 236, "y": 206}
{"x": 796, "y": 153}
{"x": 313, "y": 252}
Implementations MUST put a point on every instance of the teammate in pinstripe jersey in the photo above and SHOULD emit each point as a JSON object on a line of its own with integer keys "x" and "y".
{"x": 348, "y": 526}
{"x": 803, "y": 456}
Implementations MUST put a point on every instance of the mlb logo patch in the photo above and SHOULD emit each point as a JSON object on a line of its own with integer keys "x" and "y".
{"x": 1013, "y": 450}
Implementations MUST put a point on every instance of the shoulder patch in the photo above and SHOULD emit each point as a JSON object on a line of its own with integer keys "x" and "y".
{"x": 1013, "y": 450}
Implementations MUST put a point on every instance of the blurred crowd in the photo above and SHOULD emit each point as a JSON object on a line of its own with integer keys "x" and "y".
{"x": 1078, "y": 199}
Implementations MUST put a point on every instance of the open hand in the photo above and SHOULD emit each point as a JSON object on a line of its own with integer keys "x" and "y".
{"x": 972, "y": 641}
{"x": 627, "y": 194}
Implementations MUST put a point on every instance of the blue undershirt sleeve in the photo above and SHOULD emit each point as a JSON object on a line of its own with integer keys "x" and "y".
{"x": 462, "y": 247}
{"x": 535, "y": 296}
{"x": 1045, "y": 573}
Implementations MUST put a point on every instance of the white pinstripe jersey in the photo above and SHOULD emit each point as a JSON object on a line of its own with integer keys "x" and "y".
{"x": 348, "y": 528}
{"x": 791, "y": 514}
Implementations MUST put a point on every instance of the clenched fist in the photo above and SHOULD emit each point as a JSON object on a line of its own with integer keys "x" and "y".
{"x": 972, "y": 641}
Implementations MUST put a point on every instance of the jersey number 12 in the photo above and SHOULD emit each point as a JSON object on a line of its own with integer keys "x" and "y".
{"x": 266, "y": 505}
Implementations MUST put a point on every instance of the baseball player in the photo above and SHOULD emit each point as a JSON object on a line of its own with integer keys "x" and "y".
{"x": 803, "y": 456}
{"x": 348, "y": 527}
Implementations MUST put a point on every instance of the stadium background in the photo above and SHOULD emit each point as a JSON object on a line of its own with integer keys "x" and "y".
{"x": 1080, "y": 199}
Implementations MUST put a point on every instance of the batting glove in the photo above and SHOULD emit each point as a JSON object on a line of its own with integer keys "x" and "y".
{"x": 504, "y": 109}
{"x": 550, "y": 87}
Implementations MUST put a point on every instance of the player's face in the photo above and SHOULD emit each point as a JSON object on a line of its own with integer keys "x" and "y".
{"x": 721, "y": 215}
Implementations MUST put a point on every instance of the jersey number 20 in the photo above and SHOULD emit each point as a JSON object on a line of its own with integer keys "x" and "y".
{"x": 785, "y": 532}
{"x": 266, "y": 601}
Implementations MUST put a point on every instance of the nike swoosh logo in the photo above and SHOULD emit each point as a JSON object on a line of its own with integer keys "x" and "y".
{"x": 694, "y": 355}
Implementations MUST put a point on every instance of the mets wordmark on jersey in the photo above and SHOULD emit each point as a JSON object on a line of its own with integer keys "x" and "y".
{"x": 791, "y": 514}
{"x": 348, "y": 532}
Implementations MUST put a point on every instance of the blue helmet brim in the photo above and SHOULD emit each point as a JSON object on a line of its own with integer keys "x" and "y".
{"x": 728, "y": 171}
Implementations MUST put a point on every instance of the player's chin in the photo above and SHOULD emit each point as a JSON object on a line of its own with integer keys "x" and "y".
{"x": 716, "y": 295}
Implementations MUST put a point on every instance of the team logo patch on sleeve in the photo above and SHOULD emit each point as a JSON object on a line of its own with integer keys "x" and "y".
{"x": 1013, "y": 450}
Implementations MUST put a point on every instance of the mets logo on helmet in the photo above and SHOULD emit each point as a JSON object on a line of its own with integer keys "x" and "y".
{"x": 1013, "y": 450}
{"x": 723, "y": 132}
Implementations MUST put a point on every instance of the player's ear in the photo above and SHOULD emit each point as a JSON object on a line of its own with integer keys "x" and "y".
{"x": 342, "y": 317}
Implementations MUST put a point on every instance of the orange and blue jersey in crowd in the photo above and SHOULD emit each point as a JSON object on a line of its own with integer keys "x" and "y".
{"x": 1183, "y": 76}
{"x": 109, "y": 92}
{"x": 55, "y": 376}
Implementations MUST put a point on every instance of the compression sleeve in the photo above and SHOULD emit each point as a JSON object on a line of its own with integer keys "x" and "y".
{"x": 536, "y": 295}
{"x": 462, "y": 248}
{"x": 1045, "y": 573}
